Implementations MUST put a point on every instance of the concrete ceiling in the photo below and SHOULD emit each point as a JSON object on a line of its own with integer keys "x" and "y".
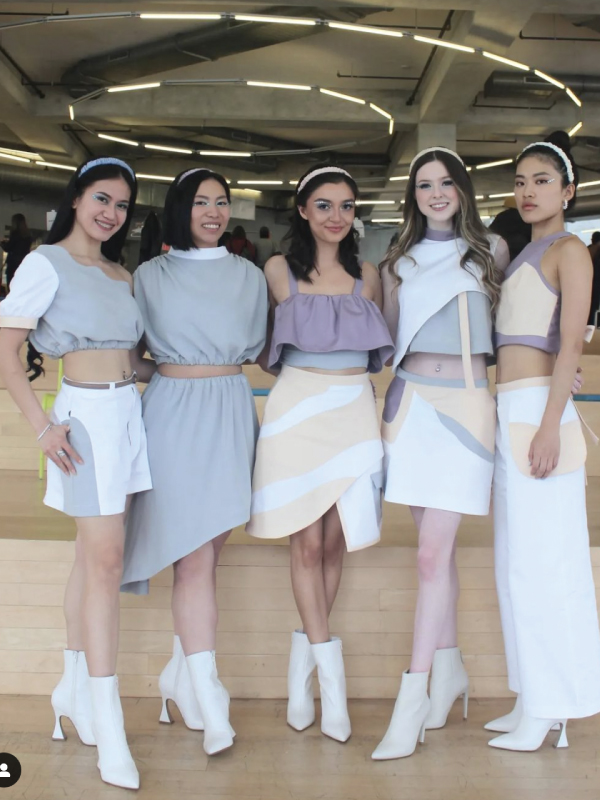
{"x": 446, "y": 93}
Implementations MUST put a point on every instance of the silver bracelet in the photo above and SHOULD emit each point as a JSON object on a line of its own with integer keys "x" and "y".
{"x": 46, "y": 429}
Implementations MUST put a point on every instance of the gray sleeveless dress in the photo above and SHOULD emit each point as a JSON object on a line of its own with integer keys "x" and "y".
{"x": 199, "y": 307}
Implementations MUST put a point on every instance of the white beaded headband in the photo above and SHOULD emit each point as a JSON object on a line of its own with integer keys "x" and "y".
{"x": 434, "y": 150}
{"x": 559, "y": 152}
{"x": 98, "y": 162}
{"x": 320, "y": 171}
{"x": 191, "y": 172}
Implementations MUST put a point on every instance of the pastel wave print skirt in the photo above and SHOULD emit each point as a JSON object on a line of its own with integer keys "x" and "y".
{"x": 438, "y": 438}
{"x": 319, "y": 446}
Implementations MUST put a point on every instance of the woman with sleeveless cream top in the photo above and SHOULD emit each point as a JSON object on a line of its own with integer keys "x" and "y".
{"x": 543, "y": 570}
{"x": 318, "y": 472}
{"x": 205, "y": 314}
{"x": 73, "y": 301}
{"x": 441, "y": 284}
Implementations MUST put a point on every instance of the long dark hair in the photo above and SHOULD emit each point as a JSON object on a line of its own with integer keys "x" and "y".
{"x": 560, "y": 139}
{"x": 151, "y": 238}
{"x": 467, "y": 223}
{"x": 62, "y": 226}
{"x": 177, "y": 215}
{"x": 18, "y": 226}
{"x": 302, "y": 249}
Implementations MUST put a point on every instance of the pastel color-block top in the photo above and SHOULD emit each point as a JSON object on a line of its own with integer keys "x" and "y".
{"x": 329, "y": 331}
{"x": 68, "y": 306}
{"x": 203, "y": 306}
{"x": 432, "y": 280}
{"x": 529, "y": 308}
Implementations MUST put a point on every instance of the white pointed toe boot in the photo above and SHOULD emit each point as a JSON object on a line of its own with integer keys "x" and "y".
{"x": 408, "y": 719}
{"x": 115, "y": 763}
{"x": 508, "y": 722}
{"x": 301, "y": 701}
{"x": 449, "y": 680}
{"x": 175, "y": 685}
{"x": 335, "y": 721}
{"x": 213, "y": 701}
{"x": 530, "y": 734}
{"x": 71, "y": 698}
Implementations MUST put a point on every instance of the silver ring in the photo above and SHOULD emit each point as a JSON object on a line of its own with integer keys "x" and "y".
{"x": 60, "y": 453}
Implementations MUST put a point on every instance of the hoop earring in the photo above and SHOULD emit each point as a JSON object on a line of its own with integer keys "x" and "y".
{"x": 565, "y": 205}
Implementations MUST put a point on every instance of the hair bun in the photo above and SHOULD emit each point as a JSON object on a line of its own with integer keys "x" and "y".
{"x": 560, "y": 139}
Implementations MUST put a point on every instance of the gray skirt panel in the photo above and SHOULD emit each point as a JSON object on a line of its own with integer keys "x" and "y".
{"x": 201, "y": 440}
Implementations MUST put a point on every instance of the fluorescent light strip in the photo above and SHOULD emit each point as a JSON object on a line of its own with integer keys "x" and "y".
{"x": 168, "y": 149}
{"x": 576, "y": 128}
{"x": 400, "y": 178}
{"x": 56, "y": 166}
{"x": 391, "y": 127}
{"x": 71, "y": 113}
{"x": 117, "y": 139}
{"x": 573, "y": 97}
{"x": 299, "y": 87}
{"x": 588, "y": 183}
{"x": 380, "y": 111}
{"x": 376, "y": 202}
{"x": 342, "y": 26}
{"x": 392, "y": 219}
{"x": 495, "y": 164}
{"x": 276, "y": 20}
{"x": 479, "y": 196}
{"x": 16, "y": 158}
{"x": 497, "y": 196}
{"x": 155, "y": 177}
{"x": 443, "y": 43}
{"x": 587, "y": 230}
{"x": 344, "y": 96}
{"x": 226, "y": 153}
{"x": 509, "y": 61}
{"x": 260, "y": 183}
{"x": 11, "y": 151}
{"x": 180, "y": 16}
{"x": 549, "y": 78}
{"x": 484, "y": 216}
{"x": 132, "y": 88}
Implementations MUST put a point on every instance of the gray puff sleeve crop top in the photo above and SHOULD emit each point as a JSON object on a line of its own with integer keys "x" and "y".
{"x": 68, "y": 306}
{"x": 202, "y": 306}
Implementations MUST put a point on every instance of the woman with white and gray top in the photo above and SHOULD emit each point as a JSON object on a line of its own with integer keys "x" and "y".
{"x": 73, "y": 301}
{"x": 205, "y": 314}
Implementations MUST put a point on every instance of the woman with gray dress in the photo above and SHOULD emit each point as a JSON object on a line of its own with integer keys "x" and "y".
{"x": 205, "y": 314}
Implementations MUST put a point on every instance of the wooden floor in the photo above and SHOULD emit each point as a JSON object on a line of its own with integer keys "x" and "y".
{"x": 270, "y": 761}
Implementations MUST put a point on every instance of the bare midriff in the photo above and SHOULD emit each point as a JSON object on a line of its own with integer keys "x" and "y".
{"x": 443, "y": 366}
{"x": 518, "y": 361}
{"x": 349, "y": 371}
{"x": 198, "y": 370}
{"x": 97, "y": 366}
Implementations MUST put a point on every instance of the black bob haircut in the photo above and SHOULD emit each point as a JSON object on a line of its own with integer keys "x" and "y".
{"x": 65, "y": 216}
{"x": 177, "y": 230}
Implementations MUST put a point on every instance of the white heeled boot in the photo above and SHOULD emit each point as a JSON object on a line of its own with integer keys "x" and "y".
{"x": 114, "y": 759}
{"x": 71, "y": 698}
{"x": 449, "y": 680}
{"x": 301, "y": 701}
{"x": 408, "y": 719}
{"x": 175, "y": 685}
{"x": 509, "y": 722}
{"x": 213, "y": 701}
{"x": 335, "y": 721}
{"x": 530, "y": 734}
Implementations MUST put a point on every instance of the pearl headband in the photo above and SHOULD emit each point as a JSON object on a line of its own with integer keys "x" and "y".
{"x": 98, "y": 162}
{"x": 191, "y": 172}
{"x": 559, "y": 152}
{"x": 320, "y": 171}
{"x": 433, "y": 150}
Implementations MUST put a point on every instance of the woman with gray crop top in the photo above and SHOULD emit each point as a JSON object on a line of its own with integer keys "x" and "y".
{"x": 318, "y": 471}
{"x": 205, "y": 314}
{"x": 73, "y": 301}
{"x": 441, "y": 282}
{"x": 543, "y": 571}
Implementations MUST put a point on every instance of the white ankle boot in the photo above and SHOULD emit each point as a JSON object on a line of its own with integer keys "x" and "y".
{"x": 175, "y": 685}
{"x": 114, "y": 759}
{"x": 71, "y": 698}
{"x": 508, "y": 722}
{"x": 408, "y": 719}
{"x": 301, "y": 701}
{"x": 449, "y": 680}
{"x": 335, "y": 721}
{"x": 530, "y": 734}
{"x": 213, "y": 701}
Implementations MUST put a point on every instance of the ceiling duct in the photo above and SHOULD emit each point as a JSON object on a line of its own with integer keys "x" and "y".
{"x": 207, "y": 43}
{"x": 505, "y": 84}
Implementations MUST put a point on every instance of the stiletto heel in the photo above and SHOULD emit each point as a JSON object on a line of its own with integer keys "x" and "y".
{"x": 449, "y": 681}
{"x": 562, "y": 738}
{"x": 422, "y": 734}
{"x": 164, "y": 714}
{"x": 58, "y": 734}
{"x": 530, "y": 734}
{"x": 466, "y": 704}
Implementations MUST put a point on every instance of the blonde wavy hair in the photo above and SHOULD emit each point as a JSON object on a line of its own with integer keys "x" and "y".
{"x": 467, "y": 225}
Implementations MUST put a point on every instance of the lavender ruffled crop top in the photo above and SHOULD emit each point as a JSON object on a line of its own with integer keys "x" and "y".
{"x": 320, "y": 324}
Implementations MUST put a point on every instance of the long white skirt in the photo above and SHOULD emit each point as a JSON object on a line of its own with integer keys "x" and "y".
{"x": 543, "y": 570}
